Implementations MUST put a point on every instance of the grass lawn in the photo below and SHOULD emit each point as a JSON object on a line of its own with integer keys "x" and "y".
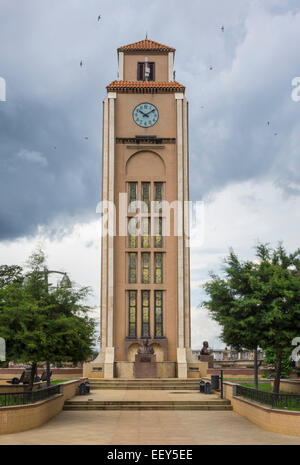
{"x": 261, "y": 386}
{"x": 58, "y": 381}
{"x": 293, "y": 404}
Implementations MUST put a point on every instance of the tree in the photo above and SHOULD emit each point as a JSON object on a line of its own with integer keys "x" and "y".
{"x": 258, "y": 303}
{"x": 42, "y": 322}
{"x": 277, "y": 282}
{"x": 10, "y": 274}
{"x": 234, "y": 307}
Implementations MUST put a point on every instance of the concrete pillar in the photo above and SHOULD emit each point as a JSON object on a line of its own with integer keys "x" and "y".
{"x": 181, "y": 351}
{"x": 121, "y": 66}
{"x": 109, "y": 352}
{"x": 171, "y": 66}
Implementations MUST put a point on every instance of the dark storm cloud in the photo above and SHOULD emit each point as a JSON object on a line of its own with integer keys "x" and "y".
{"x": 49, "y": 172}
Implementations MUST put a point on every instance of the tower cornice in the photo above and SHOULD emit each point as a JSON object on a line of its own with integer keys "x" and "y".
{"x": 146, "y": 87}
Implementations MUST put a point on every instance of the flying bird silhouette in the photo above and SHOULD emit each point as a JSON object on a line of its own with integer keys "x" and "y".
{"x": 99, "y": 17}
{"x": 81, "y": 63}
{"x": 222, "y": 28}
{"x": 210, "y": 68}
{"x": 268, "y": 123}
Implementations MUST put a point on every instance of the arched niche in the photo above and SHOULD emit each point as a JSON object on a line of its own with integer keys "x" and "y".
{"x": 158, "y": 350}
{"x": 132, "y": 350}
{"x": 145, "y": 162}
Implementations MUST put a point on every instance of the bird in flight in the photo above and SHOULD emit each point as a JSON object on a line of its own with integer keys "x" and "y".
{"x": 210, "y": 68}
{"x": 275, "y": 133}
{"x": 86, "y": 138}
{"x": 222, "y": 28}
{"x": 81, "y": 63}
{"x": 99, "y": 17}
{"x": 268, "y": 123}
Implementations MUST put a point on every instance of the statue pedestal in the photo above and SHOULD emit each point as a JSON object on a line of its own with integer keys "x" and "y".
{"x": 208, "y": 359}
{"x": 145, "y": 366}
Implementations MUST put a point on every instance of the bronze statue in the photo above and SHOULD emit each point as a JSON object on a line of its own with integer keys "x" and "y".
{"x": 205, "y": 350}
{"x": 145, "y": 348}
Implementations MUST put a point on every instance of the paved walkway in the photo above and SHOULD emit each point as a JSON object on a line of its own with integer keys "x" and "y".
{"x": 147, "y": 427}
{"x": 144, "y": 395}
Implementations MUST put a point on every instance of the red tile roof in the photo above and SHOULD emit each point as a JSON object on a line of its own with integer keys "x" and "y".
{"x": 145, "y": 86}
{"x": 146, "y": 45}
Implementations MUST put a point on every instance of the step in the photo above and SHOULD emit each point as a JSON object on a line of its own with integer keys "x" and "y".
{"x": 147, "y": 406}
{"x": 150, "y": 407}
{"x": 169, "y": 384}
{"x": 150, "y": 402}
{"x": 214, "y": 404}
{"x": 149, "y": 387}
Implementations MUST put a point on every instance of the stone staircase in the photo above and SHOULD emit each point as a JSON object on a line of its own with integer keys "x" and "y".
{"x": 182, "y": 395}
{"x": 148, "y": 405}
{"x": 169, "y": 384}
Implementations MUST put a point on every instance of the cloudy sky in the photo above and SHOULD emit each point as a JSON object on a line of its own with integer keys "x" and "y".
{"x": 245, "y": 170}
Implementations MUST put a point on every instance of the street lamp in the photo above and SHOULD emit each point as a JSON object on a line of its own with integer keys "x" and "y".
{"x": 67, "y": 283}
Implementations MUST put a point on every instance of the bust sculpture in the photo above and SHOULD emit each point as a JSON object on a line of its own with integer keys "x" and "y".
{"x": 205, "y": 350}
{"x": 145, "y": 348}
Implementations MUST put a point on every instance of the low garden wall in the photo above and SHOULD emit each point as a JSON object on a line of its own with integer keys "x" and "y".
{"x": 18, "y": 418}
{"x": 236, "y": 372}
{"x": 57, "y": 373}
{"x": 291, "y": 386}
{"x": 275, "y": 420}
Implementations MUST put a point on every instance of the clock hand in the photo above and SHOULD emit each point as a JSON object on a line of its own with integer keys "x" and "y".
{"x": 150, "y": 112}
{"x": 144, "y": 114}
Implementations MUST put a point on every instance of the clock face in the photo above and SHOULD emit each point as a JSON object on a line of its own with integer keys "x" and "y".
{"x": 145, "y": 115}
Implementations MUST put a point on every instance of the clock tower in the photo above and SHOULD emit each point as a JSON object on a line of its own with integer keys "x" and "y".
{"x": 145, "y": 272}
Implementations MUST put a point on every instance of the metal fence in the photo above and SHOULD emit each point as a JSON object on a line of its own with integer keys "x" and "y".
{"x": 280, "y": 401}
{"x": 8, "y": 399}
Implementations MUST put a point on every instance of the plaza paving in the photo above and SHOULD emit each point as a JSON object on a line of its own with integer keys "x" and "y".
{"x": 171, "y": 427}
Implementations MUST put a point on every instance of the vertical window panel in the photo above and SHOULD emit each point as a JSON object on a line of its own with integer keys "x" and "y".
{"x": 158, "y": 196}
{"x": 158, "y": 314}
{"x": 145, "y": 313}
{"x": 132, "y": 314}
{"x": 158, "y": 238}
{"x": 145, "y": 233}
{"x": 132, "y": 268}
{"x": 132, "y": 197}
{"x": 158, "y": 268}
{"x": 132, "y": 233}
{"x": 145, "y": 268}
{"x": 146, "y": 197}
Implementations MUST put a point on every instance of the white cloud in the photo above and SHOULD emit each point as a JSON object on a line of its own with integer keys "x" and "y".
{"x": 33, "y": 157}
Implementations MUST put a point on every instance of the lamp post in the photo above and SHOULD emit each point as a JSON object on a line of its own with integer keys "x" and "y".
{"x": 66, "y": 280}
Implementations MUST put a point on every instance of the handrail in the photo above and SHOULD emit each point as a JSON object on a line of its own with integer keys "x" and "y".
{"x": 280, "y": 401}
{"x": 8, "y": 399}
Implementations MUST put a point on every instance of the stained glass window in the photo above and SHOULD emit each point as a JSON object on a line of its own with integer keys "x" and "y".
{"x": 146, "y": 197}
{"x": 158, "y": 268}
{"x": 132, "y": 197}
{"x": 145, "y": 233}
{"x": 158, "y": 314}
{"x": 132, "y": 233}
{"x": 158, "y": 238}
{"x": 145, "y": 313}
{"x": 132, "y": 268}
{"x": 145, "y": 268}
{"x": 132, "y": 314}
{"x": 158, "y": 196}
